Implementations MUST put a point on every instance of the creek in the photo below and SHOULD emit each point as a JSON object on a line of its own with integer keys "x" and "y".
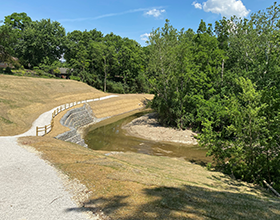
{"x": 108, "y": 135}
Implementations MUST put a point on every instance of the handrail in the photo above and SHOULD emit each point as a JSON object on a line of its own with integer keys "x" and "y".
{"x": 47, "y": 128}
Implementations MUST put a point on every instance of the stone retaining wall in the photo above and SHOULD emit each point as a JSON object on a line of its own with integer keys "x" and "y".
{"x": 75, "y": 119}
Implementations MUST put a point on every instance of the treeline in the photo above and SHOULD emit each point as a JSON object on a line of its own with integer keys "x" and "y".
{"x": 109, "y": 62}
{"x": 224, "y": 81}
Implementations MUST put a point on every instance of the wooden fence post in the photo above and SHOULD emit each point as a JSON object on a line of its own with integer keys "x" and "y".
{"x": 36, "y": 131}
{"x": 45, "y": 129}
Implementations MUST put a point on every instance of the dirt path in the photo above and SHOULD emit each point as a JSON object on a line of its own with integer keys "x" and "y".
{"x": 29, "y": 187}
{"x": 147, "y": 127}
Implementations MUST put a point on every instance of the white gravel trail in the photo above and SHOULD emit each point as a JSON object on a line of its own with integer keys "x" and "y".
{"x": 29, "y": 187}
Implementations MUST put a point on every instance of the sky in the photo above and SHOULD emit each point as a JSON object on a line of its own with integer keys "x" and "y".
{"x": 132, "y": 18}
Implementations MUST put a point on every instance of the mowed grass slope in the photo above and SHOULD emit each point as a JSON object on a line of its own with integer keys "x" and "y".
{"x": 107, "y": 108}
{"x": 119, "y": 105}
{"x": 23, "y": 99}
{"x": 138, "y": 186}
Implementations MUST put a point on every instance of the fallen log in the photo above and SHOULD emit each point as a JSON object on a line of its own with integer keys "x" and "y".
{"x": 271, "y": 188}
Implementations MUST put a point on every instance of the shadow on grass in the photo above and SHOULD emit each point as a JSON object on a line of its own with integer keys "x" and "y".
{"x": 187, "y": 202}
{"x": 95, "y": 205}
{"x": 236, "y": 185}
{"x": 146, "y": 102}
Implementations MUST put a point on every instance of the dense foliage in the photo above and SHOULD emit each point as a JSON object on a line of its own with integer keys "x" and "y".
{"x": 110, "y": 63}
{"x": 222, "y": 80}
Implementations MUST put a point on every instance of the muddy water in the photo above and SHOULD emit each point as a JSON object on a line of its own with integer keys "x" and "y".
{"x": 109, "y": 136}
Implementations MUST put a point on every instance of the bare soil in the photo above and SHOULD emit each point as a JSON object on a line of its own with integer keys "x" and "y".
{"x": 148, "y": 127}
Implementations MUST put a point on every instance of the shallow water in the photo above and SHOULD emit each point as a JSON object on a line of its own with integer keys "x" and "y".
{"x": 109, "y": 136}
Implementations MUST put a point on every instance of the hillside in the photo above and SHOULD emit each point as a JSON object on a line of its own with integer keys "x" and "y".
{"x": 23, "y": 99}
{"x": 126, "y": 185}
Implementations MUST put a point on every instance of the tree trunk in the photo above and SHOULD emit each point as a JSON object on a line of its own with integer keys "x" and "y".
{"x": 105, "y": 76}
{"x": 105, "y": 81}
{"x": 222, "y": 74}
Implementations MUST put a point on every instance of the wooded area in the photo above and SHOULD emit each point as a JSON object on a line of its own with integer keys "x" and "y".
{"x": 222, "y": 80}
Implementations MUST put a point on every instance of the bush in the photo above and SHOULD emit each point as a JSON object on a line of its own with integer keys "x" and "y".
{"x": 75, "y": 78}
{"x": 115, "y": 87}
{"x": 8, "y": 70}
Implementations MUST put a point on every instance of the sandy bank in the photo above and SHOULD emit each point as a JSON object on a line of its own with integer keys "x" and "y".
{"x": 148, "y": 127}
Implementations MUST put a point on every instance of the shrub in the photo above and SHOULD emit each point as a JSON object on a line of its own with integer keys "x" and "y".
{"x": 115, "y": 87}
{"x": 75, "y": 78}
{"x": 8, "y": 70}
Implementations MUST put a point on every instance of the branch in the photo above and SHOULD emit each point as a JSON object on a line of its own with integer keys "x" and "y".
{"x": 271, "y": 188}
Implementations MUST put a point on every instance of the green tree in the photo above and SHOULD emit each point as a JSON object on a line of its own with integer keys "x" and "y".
{"x": 7, "y": 41}
{"x": 18, "y": 21}
{"x": 108, "y": 57}
{"x": 184, "y": 71}
{"x": 131, "y": 63}
{"x": 241, "y": 147}
{"x": 161, "y": 68}
{"x": 42, "y": 42}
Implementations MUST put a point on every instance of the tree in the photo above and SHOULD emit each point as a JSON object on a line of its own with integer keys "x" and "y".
{"x": 18, "y": 21}
{"x": 184, "y": 72}
{"x": 108, "y": 57}
{"x": 245, "y": 142}
{"x": 161, "y": 68}
{"x": 131, "y": 63}
{"x": 42, "y": 42}
{"x": 7, "y": 40}
{"x": 241, "y": 147}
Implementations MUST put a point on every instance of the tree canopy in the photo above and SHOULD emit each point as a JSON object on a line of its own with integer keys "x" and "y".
{"x": 224, "y": 83}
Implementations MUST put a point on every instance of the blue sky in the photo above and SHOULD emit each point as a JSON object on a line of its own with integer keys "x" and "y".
{"x": 131, "y": 18}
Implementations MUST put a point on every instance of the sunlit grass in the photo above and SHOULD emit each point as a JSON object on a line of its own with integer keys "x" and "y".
{"x": 138, "y": 186}
{"x": 23, "y": 99}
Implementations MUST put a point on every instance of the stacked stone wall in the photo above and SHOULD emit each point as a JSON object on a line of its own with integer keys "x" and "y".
{"x": 75, "y": 119}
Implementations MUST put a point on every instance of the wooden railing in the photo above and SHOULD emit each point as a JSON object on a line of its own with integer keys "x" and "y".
{"x": 46, "y": 129}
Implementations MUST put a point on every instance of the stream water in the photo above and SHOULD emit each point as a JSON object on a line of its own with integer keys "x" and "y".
{"x": 108, "y": 135}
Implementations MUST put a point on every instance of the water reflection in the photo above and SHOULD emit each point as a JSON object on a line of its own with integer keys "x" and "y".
{"x": 111, "y": 137}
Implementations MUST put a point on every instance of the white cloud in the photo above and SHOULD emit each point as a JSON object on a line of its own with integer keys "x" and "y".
{"x": 111, "y": 14}
{"x": 197, "y": 5}
{"x": 224, "y": 7}
{"x": 155, "y": 12}
{"x": 145, "y": 36}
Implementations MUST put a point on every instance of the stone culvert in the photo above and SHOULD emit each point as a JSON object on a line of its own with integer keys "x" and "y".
{"x": 75, "y": 119}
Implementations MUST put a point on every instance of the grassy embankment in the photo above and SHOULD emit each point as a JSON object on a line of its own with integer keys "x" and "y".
{"x": 23, "y": 99}
{"x": 130, "y": 185}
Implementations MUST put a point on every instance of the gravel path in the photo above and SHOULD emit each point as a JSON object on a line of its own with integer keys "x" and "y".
{"x": 29, "y": 187}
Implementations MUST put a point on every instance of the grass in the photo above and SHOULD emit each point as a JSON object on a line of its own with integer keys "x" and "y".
{"x": 6, "y": 121}
{"x": 23, "y": 99}
{"x": 138, "y": 186}
{"x": 119, "y": 105}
